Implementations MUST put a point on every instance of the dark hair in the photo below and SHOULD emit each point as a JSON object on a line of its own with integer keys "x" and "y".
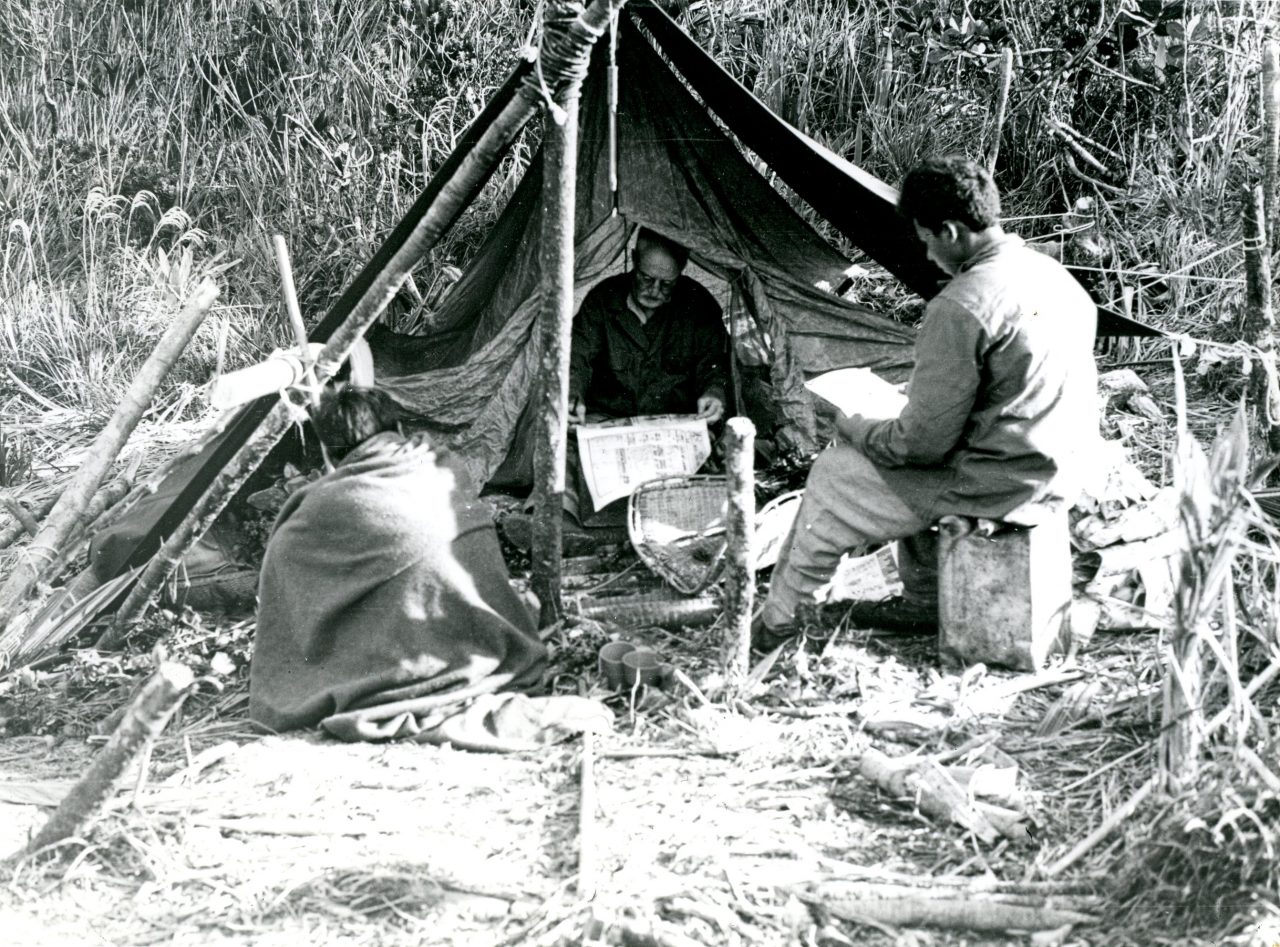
{"x": 651, "y": 238}
{"x": 347, "y": 416}
{"x": 952, "y": 188}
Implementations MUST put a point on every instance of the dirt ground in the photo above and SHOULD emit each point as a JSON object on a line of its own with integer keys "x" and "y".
{"x": 233, "y": 837}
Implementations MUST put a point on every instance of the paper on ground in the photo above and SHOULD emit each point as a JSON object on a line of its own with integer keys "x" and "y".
{"x": 858, "y": 391}
{"x": 870, "y": 578}
{"x": 618, "y": 457}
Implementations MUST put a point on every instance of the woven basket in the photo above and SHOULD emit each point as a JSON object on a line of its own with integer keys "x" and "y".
{"x": 676, "y": 525}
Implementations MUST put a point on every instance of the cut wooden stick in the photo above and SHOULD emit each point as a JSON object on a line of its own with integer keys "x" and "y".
{"x": 555, "y": 327}
{"x": 293, "y": 311}
{"x": 1002, "y": 107}
{"x": 586, "y": 820}
{"x": 142, "y": 724}
{"x": 740, "y": 579}
{"x": 21, "y": 515}
{"x": 67, "y": 512}
{"x": 15, "y": 530}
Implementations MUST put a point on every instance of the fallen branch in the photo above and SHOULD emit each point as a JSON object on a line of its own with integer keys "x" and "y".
{"x": 938, "y": 795}
{"x": 900, "y": 906}
{"x": 146, "y": 718}
{"x": 67, "y": 512}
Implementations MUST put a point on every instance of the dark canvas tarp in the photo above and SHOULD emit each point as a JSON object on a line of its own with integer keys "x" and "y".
{"x": 682, "y": 176}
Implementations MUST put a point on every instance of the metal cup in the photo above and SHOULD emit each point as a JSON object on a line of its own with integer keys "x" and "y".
{"x": 610, "y": 662}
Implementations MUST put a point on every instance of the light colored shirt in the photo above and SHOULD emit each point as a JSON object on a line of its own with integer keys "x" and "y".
{"x": 1001, "y": 407}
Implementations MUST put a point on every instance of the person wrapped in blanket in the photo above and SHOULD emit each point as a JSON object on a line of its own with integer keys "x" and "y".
{"x": 385, "y": 609}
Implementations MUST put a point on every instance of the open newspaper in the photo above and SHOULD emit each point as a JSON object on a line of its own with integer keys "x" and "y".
{"x": 858, "y": 391}
{"x": 617, "y": 456}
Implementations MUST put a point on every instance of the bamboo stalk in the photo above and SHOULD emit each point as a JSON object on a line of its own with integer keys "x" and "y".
{"x": 740, "y": 579}
{"x": 555, "y": 326}
{"x": 1259, "y": 318}
{"x": 147, "y": 716}
{"x": 1002, "y": 106}
{"x": 67, "y": 512}
{"x": 1271, "y": 135}
{"x": 452, "y": 198}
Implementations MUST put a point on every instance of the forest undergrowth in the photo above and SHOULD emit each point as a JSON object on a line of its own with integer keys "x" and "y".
{"x": 147, "y": 146}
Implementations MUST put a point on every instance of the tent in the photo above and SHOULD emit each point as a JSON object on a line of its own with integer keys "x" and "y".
{"x": 678, "y": 172}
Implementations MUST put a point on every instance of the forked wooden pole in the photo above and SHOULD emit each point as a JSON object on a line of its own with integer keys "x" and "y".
{"x": 555, "y": 322}
{"x": 740, "y": 572}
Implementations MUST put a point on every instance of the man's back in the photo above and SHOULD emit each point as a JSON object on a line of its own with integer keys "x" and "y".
{"x": 1034, "y": 412}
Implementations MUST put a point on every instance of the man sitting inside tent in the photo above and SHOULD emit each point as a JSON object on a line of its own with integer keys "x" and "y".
{"x": 1000, "y": 400}
{"x": 385, "y": 606}
{"x": 651, "y": 341}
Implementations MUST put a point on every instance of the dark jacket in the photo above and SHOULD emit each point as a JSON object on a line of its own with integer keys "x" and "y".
{"x": 1001, "y": 408}
{"x": 622, "y": 368}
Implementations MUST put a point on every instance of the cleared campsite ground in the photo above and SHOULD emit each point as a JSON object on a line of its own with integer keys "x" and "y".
{"x": 237, "y": 838}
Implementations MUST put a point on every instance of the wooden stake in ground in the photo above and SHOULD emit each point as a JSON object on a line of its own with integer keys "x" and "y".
{"x": 1260, "y": 320}
{"x": 468, "y": 176}
{"x": 740, "y": 570}
{"x": 66, "y": 513}
{"x": 294, "y": 313}
{"x": 555, "y": 316}
{"x": 586, "y": 819}
{"x": 147, "y": 716}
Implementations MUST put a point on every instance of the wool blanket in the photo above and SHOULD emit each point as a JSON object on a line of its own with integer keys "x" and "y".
{"x": 385, "y": 607}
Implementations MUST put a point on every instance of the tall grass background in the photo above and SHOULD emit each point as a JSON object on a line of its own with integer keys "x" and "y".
{"x": 145, "y": 142}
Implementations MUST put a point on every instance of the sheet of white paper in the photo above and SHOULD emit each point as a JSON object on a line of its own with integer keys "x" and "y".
{"x": 858, "y": 391}
{"x": 618, "y": 457}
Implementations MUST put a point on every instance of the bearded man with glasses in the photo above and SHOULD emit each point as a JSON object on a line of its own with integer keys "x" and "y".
{"x": 651, "y": 341}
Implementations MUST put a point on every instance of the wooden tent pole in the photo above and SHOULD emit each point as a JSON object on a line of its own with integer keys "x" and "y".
{"x": 555, "y": 315}
{"x": 449, "y": 203}
{"x": 740, "y": 572}
{"x": 67, "y": 512}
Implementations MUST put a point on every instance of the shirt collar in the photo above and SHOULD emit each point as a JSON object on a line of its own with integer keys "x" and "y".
{"x": 993, "y": 249}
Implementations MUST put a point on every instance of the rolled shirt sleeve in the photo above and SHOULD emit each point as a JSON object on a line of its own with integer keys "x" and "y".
{"x": 940, "y": 394}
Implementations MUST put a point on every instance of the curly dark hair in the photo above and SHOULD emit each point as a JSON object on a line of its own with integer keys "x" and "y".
{"x": 952, "y": 188}
{"x": 348, "y": 415}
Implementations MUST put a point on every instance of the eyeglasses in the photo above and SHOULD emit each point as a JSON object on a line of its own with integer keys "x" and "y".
{"x": 652, "y": 282}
